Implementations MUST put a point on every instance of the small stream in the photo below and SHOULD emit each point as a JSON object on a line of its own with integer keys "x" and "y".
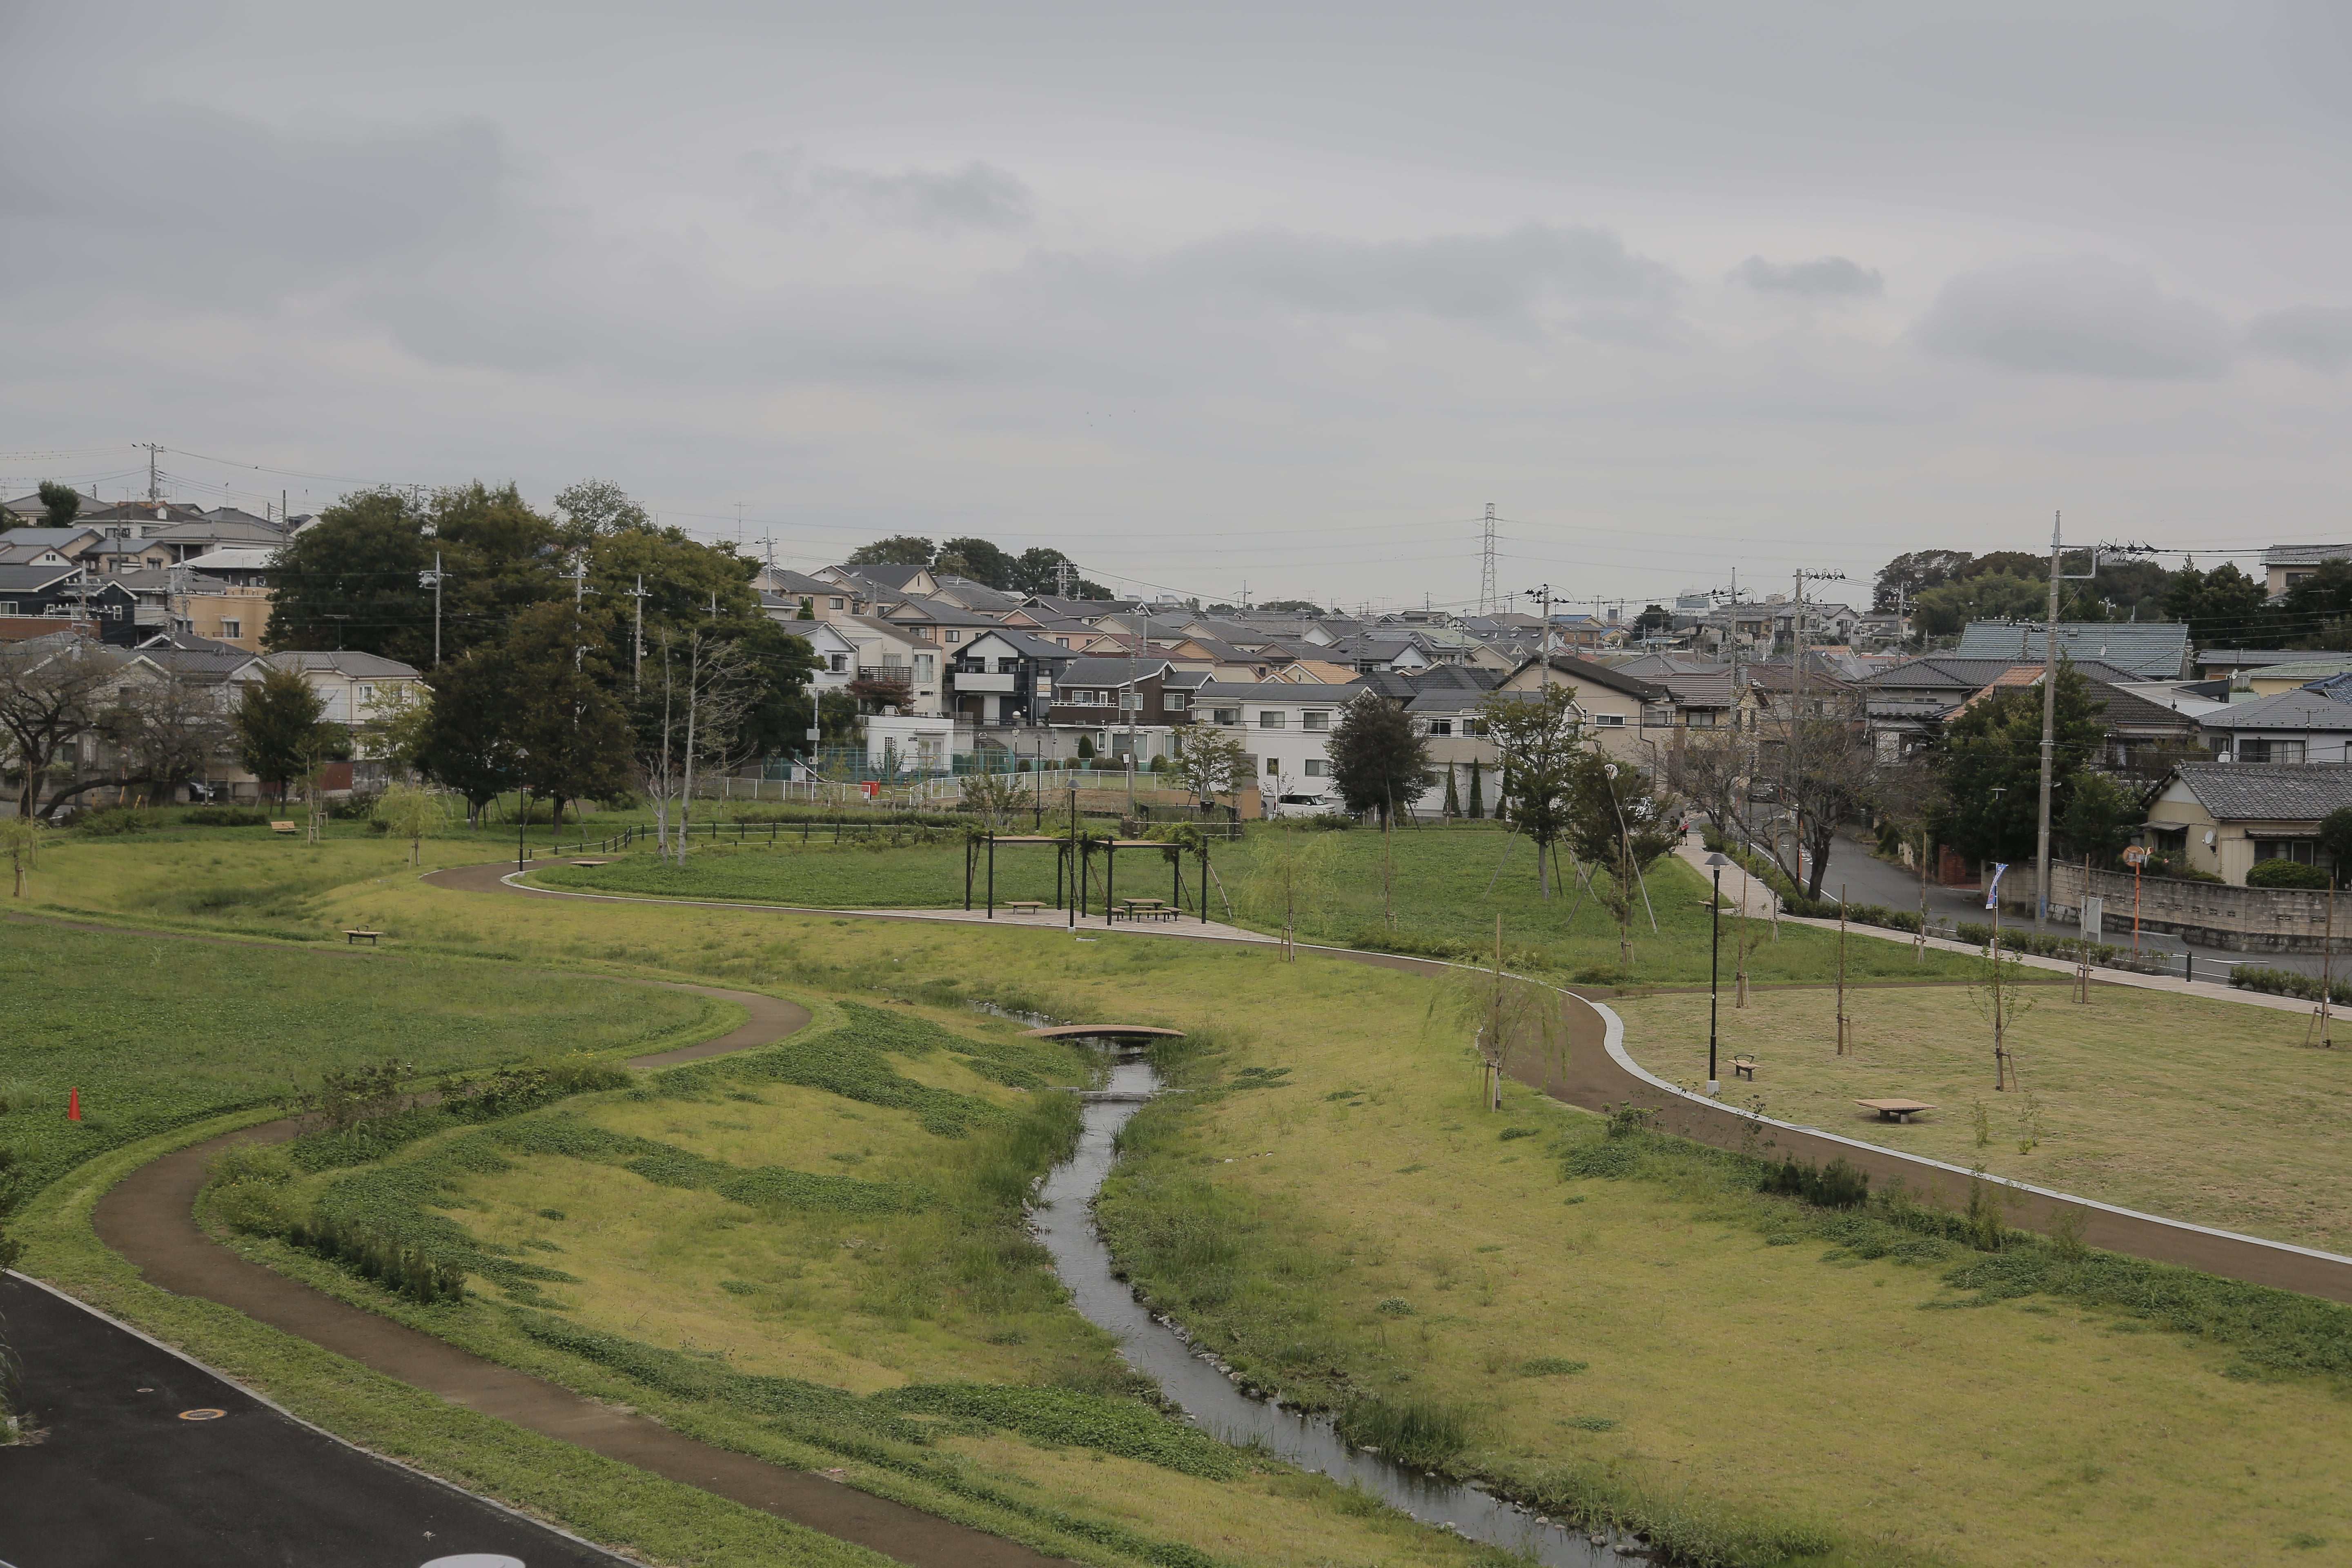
{"x": 1191, "y": 1379}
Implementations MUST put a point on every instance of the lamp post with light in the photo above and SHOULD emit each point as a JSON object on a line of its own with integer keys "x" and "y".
{"x": 1716, "y": 863}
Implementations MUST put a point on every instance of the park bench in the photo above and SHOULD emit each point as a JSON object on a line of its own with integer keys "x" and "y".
{"x": 351, "y": 938}
{"x": 284, "y": 828}
{"x": 1148, "y": 909}
{"x": 1024, "y": 905}
{"x": 1744, "y": 1066}
{"x": 1894, "y": 1109}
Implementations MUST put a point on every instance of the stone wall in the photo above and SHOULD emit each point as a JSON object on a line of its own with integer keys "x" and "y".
{"x": 2237, "y": 920}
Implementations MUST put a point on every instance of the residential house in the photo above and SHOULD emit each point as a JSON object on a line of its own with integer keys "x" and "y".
{"x": 2221, "y": 663}
{"x": 2222, "y": 817}
{"x": 877, "y": 581}
{"x": 358, "y": 689}
{"x": 967, "y": 595}
{"x": 69, "y": 592}
{"x": 1004, "y": 677}
{"x": 2304, "y": 726}
{"x": 2285, "y": 565}
{"x": 1285, "y": 730}
{"x": 939, "y": 622}
{"x": 897, "y": 667}
{"x": 235, "y": 566}
{"x": 1119, "y": 705}
{"x": 2149, "y": 650}
{"x": 2270, "y": 680}
{"x": 26, "y": 508}
{"x": 827, "y": 600}
{"x": 68, "y": 542}
{"x": 1634, "y": 720}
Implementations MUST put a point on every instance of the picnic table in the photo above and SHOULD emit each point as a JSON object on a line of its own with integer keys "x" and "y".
{"x": 1894, "y": 1109}
{"x": 1156, "y": 909}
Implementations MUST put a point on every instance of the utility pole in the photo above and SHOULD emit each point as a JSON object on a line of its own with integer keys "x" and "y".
{"x": 638, "y": 652}
{"x": 1489, "y": 602}
{"x": 154, "y": 487}
{"x": 579, "y": 575}
{"x": 1543, "y": 592}
{"x": 433, "y": 580}
{"x": 2049, "y": 734}
{"x": 1791, "y": 756}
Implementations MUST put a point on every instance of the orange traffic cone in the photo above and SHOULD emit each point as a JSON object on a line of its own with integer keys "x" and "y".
{"x": 73, "y": 1106}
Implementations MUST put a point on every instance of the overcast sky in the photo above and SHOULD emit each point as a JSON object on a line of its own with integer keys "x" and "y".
{"x": 1274, "y": 294}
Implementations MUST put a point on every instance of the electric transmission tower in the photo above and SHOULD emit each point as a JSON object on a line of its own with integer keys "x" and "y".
{"x": 1489, "y": 602}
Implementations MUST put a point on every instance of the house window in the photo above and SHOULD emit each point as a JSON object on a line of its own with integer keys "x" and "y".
{"x": 834, "y": 603}
{"x": 1657, "y": 716}
{"x": 926, "y": 666}
{"x": 1440, "y": 726}
{"x": 367, "y": 693}
{"x": 1271, "y": 719}
{"x": 1176, "y": 701}
{"x": 1008, "y": 667}
{"x": 1700, "y": 719}
{"x": 955, "y": 637}
{"x": 840, "y": 664}
{"x": 1609, "y": 720}
{"x": 1224, "y": 715}
{"x": 7, "y": 606}
{"x": 2253, "y": 750}
{"x": 231, "y": 630}
{"x": 2302, "y": 851}
{"x": 1063, "y": 641}
{"x": 1315, "y": 720}
{"x": 1317, "y": 768}
{"x": 1274, "y": 765}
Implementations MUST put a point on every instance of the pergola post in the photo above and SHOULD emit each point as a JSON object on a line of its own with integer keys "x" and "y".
{"x": 992, "y": 874}
{"x": 1110, "y": 881}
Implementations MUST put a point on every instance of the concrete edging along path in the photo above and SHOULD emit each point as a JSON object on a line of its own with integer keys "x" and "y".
{"x": 1602, "y": 1073}
{"x": 149, "y": 1218}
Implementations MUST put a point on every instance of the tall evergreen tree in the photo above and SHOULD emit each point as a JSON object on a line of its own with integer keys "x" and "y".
{"x": 1452, "y": 797}
{"x": 1378, "y": 762}
{"x": 1478, "y": 792}
{"x": 1990, "y": 764}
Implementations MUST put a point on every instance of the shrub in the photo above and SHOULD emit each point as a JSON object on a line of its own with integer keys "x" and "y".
{"x": 2285, "y": 874}
{"x": 115, "y": 820}
{"x": 1422, "y": 1432}
{"x": 224, "y": 817}
{"x": 404, "y": 1270}
{"x": 2287, "y": 983}
{"x": 1836, "y": 1185}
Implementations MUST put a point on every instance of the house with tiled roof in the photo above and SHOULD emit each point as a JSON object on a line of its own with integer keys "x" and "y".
{"x": 2299, "y": 726}
{"x": 2222, "y": 817}
{"x": 2150, "y": 651}
{"x": 2285, "y": 565}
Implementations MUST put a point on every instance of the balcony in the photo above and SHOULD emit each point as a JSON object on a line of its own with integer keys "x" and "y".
{"x": 978, "y": 681}
{"x": 888, "y": 674}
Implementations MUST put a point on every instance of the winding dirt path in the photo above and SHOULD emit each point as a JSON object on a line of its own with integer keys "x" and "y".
{"x": 1594, "y": 1077}
{"x": 149, "y": 1218}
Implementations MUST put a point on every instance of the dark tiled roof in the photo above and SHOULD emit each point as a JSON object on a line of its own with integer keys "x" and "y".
{"x": 2299, "y": 710}
{"x": 25, "y": 578}
{"x": 2305, "y": 555}
{"x": 1584, "y": 670}
{"x": 2128, "y": 710}
{"x": 2151, "y": 649}
{"x": 1107, "y": 671}
{"x": 1027, "y": 644}
{"x": 1958, "y": 674}
{"x": 2284, "y": 791}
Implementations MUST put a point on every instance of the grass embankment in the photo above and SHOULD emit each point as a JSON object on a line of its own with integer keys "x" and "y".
{"x": 157, "y": 1033}
{"x": 2199, "y": 1109}
{"x": 1344, "y": 1225}
{"x": 835, "y": 1226}
{"x": 1438, "y": 888}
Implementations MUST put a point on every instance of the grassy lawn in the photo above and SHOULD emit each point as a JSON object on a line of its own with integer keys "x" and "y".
{"x": 2198, "y": 1109}
{"x": 1438, "y": 885}
{"x": 1730, "y": 1385}
{"x": 157, "y": 1033}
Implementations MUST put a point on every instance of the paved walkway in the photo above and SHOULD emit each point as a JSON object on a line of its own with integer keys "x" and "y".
{"x": 499, "y": 877}
{"x": 146, "y": 1456}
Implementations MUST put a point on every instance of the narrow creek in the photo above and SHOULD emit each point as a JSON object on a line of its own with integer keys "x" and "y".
{"x": 1064, "y": 1223}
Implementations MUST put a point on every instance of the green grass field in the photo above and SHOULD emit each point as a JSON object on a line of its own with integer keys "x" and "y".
{"x": 1344, "y": 885}
{"x": 158, "y": 1032}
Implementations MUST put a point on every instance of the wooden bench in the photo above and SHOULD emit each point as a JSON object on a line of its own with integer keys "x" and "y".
{"x": 1024, "y": 905}
{"x": 1894, "y": 1109}
{"x": 284, "y": 828}
{"x": 1744, "y": 1066}
{"x": 351, "y": 938}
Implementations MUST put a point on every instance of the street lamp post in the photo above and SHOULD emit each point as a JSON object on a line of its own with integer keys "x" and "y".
{"x": 1715, "y": 863}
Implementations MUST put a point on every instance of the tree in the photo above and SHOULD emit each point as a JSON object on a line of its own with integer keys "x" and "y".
{"x": 1996, "y": 595}
{"x": 898, "y": 550}
{"x": 410, "y": 813}
{"x": 594, "y": 506}
{"x": 464, "y": 743}
{"x": 2100, "y": 814}
{"x": 1478, "y": 792}
{"x": 1378, "y": 760}
{"x": 282, "y": 733}
{"x": 2335, "y": 837}
{"x": 166, "y": 731}
{"x": 1539, "y": 736}
{"x": 979, "y": 560}
{"x": 1452, "y": 795}
{"x": 688, "y": 714}
{"x": 1044, "y": 571}
{"x": 1617, "y": 820}
{"x": 1905, "y": 578}
{"x": 992, "y": 797}
{"x": 53, "y": 691}
{"x": 1712, "y": 771}
{"x": 1828, "y": 773}
{"x": 1990, "y": 764}
{"x": 1653, "y": 618}
{"x": 2224, "y": 607}
{"x": 571, "y": 734}
{"x": 2326, "y": 594}
{"x": 1292, "y": 607}
{"x": 1209, "y": 762}
{"x": 60, "y": 504}
{"x": 20, "y": 836}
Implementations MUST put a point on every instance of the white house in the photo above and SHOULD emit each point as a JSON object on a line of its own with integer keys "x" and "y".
{"x": 1286, "y": 730}
{"x": 357, "y": 687}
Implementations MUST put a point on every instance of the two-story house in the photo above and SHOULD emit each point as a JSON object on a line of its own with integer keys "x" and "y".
{"x": 1004, "y": 676}
{"x": 1286, "y": 730}
{"x": 1118, "y": 703}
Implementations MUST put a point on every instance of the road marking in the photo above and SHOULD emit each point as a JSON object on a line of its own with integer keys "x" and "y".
{"x": 202, "y": 1415}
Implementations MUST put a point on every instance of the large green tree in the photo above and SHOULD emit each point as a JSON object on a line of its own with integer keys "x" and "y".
{"x": 2224, "y": 607}
{"x": 570, "y": 732}
{"x": 282, "y": 731}
{"x": 1380, "y": 763}
{"x": 1538, "y": 736}
{"x": 466, "y": 742}
{"x": 898, "y": 550}
{"x": 1990, "y": 765}
{"x": 60, "y": 504}
{"x": 1942, "y": 611}
{"x": 979, "y": 560}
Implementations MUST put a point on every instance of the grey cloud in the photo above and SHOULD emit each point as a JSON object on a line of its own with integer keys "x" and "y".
{"x": 976, "y": 196}
{"x": 1827, "y": 274}
{"x": 1501, "y": 280}
{"x": 2319, "y": 336}
{"x": 2077, "y": 317}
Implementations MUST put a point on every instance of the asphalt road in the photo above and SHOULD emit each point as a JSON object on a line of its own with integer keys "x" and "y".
{"x": 1870, "y": 881}
{"x": 128, "y": 1471}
